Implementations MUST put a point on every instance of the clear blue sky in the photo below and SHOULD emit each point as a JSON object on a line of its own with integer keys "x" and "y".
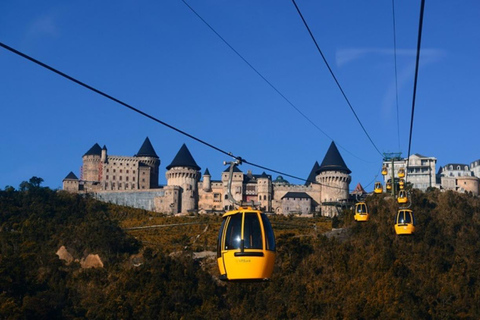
{"x": 161, "y": 58}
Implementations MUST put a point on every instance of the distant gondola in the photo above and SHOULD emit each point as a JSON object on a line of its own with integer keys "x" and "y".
{"x": 361, "y": 212}
{"x": 401, "y": 173}
{"x": 402, "y": 197}
{"x": 384, "y": 170}
{"x": 405, "y": 222}
{"x": 378, "y": 188}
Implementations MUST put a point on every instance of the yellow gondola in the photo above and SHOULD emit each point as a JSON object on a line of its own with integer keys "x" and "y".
{"x": 402, "y": 197}
{"x": 405, "y": 222}
{"x": 384, "y": 171}
{"x": 401, "y": 184}
{"x": 401, "y": 173}
{"x": 246, "y": 246}
{"x": 361, "y": 212}
{"x": 378, "y": 188}
{"x": 389, "y": 185}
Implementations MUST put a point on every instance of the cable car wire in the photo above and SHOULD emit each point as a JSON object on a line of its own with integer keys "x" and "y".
{"x": 417, "y": 60}
{"x": 396, "y": 73}
{"x": 113, "y": 99}
{"x": 230, "y": 154}
{"x": 334, "y": 77}
{"x": 265, "y": 79}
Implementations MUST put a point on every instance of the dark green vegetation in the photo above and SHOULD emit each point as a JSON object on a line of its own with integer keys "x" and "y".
{"x": 370, "y": 274}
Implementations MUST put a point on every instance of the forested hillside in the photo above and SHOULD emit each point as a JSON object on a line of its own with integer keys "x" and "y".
{"x": 152, "y": 274}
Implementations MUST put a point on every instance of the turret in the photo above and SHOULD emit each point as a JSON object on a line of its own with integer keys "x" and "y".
{"x": 185, "y": 173}
{"x": 149, "y": 163}
{"x": 104, "y": 154}
{"x": 334, "y": 178}
{"x": 91, "y": 164}
{"x": 207, "y": 182}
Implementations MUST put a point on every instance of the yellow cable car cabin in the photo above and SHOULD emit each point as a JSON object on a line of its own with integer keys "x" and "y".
{"x": 401, "y": 173}
{"x": 405, "y": 222}
{"x": 361, "y": 212}
{"x": 401, "y": 184}
{"x": 246, "y": 246}
{"x": 402, "y": 197}
{"x": 384, "y": 171}
{"x": 389, "y": 185}
{"x": 378, "y": 188}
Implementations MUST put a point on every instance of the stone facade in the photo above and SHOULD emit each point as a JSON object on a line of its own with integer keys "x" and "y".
{"x": 133, "y": 181}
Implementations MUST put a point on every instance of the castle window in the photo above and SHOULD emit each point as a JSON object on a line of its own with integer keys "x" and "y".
{"x": 133, "y": 171}
{"x": 107, "y": 176}
{"x": 133, "y": 178}
{"x": 120, "y": 170}
{"x": 114, "y": 170}
{"x": 113, "y": 178}
{"x": 120, "y": 178}
{"x": 126, "y": 178}
{"x": 264, "y": 197}
{"x": 121, "y": 165}
{"x": 127, "y": 170}
{"x": 107, "y": 170}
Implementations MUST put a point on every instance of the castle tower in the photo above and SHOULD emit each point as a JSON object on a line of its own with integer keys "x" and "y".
{"x": 264, "y": 191}
{"x": 91, "y": 169}
{"x": 334, "y": 177}
{"x": 236, "y": 187}
{"x": 148, "y": 166}
{"x": 104, "y": 156}
{"x": 185, "y": 173}
{"x": 207, "y": 182}
{"x": 70, "y": 183}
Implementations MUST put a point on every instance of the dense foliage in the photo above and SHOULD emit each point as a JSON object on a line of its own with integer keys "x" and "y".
{"x": 367, "y": 273}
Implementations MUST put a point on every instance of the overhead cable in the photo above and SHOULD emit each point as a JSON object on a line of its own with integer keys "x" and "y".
{"x": 264, "y": 78}
{"x": 417, "y": 63}
{"x": 44, "y": 65}
{"x": 334, "y": 77}
{"x": 396, "y": 75}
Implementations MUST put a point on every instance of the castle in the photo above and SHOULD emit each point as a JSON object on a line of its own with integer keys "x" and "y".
{"x": 133, "y": 181}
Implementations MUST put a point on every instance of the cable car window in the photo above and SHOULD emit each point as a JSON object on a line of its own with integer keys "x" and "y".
{"x": 234, "y": 232}
{"x": 252, "y": 232}
{"x": 219, "y": 240}
{"x": 408, "y": 217}
{"x": 268, "y": 233}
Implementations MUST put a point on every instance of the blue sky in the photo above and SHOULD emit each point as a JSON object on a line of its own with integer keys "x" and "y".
{"x": 161, "y": 58}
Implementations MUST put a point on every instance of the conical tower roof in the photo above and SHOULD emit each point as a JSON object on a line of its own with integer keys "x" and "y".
{"x": 94, "y": 151}
{"x": 359, "y": 189}
{"x": 146, "y": 150}
{"x": 71, "y": 176}
{"x": 333, "y": 161}
{"x": 183, "y": 159}
{"x": 313, "y": 174}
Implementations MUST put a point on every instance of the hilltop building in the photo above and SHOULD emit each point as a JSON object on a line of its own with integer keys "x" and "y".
{"x": 133, "y": 181}
{"x": 421, "y": 171}
{"x": 459, "y": 177}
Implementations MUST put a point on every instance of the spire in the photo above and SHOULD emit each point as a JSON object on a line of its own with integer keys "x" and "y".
{"x": 71, "y": 176}
{"x": 183, "y": 159}
{"x": 313, "y": 174}
{"x": 333, "y": 161}
{"x": 207, "y": 173}
{"x": 146, "y": 150}
{"x": 94, "y": 151}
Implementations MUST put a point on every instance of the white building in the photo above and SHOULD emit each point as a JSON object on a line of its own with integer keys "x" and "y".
{"x": 421, "y": 172}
